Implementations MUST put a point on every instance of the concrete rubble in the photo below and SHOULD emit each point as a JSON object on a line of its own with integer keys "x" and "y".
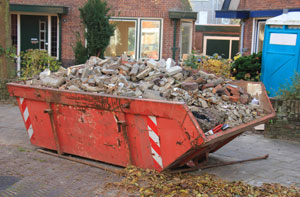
{"x": 212, "y": 99}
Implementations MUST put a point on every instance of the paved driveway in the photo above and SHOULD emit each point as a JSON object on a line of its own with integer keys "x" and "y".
{"x": 26, "y": 172}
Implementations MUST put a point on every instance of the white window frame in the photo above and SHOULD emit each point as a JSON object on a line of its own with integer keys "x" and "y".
{"x": 43, "y": 31}
{"x": 135, "y": 34}
{"x": 219, "y": 38}
{"x": 138, "y": 32}
{"x": 160, "y": 36}
{"x": 255, "y": 30}
{"x": 180, "y": 38}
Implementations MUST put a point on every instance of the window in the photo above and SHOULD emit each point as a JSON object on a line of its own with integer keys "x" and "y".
{"x": 186, "y": 37}
{"x": 258, "y": 35}
{"x": 202, "y": 18}
{"x": 54, "y": 36}
{"x": 124, "y": 39}
{"x": 150, "y": 39}
{"x": 43, "y": 35}
{"x": 227, "y": 47}
{"x": 14, "y": 33}
{"x": 138, "y": 38}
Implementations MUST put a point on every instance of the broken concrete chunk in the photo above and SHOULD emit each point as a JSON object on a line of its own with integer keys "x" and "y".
{"x": 123, "y": 80}
{"x": 53, "y": 82}
{"x": 87, "y": 72}
{"x": 134, "y": 71}
{"x": 206, "y": 75}
{"x": 109, "y": 71}
{"x": 138, "y": 92}
{"x": 174, "y": 70}
{"x": 125, "y": 68}
{"x": 45, "y": 73}
{"x": 162, "y": 63}
{"x": 102, "y": 62}
{"x": 152, "y": 94}
{"x": 170, "y": 63}
{"x": 178, "y": 76}
{"x": 97, "y": 70}
{"x": 144, "y": 73}
{"x": 189, "y": 86}
{"x": 144, "y": 85}
{"x": 91, "y": 82}
{"x": 74, "y": 88}
{"x": 142, "y": 67}
{"x": 152, "y": 63}
{"x": 89, "y": 88}
{"x": 93, "y": 61}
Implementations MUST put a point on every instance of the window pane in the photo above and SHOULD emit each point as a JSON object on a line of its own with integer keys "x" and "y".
{"x": 42, "y": 26}
{"x": 260, "y": 36}
{"x": 150, "y": 39}
{"x": 124, "y": 39}
{"x": 235, "y": 48}
{"x": 186, "y": 37}
{"x": 42, "y": 45}
{"x": 220, "y": 47}
{"x": 42, "y": 35}
{"x": 54, "y": 36}
{"x": 14, "y": 34}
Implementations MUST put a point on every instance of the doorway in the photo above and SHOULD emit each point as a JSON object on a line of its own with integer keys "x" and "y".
{"x": 186, "y": 33}
{"x": 34, "y": 32}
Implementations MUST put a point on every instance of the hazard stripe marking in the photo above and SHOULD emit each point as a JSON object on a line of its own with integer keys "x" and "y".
{"x": 26, "y": 116}
{"x": 154, "y": 142}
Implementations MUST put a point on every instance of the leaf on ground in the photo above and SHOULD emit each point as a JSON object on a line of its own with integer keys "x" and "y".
{"x": 152, "y": 183}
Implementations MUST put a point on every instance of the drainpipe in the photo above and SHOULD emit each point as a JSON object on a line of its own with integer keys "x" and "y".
{"x": 242, "y": 36}
{"x": 174, "y": 48}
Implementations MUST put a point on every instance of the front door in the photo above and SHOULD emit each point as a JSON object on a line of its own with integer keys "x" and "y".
{"x": 186, "y": 34}
{"x": 34, "y": 34}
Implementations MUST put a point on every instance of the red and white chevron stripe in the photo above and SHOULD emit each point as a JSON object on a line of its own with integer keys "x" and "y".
{"x": 155, "y": 142}
{"x": 25, "y": 115}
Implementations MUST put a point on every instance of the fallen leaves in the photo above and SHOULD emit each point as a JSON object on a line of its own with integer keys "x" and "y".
{"x": 151, "y": 183}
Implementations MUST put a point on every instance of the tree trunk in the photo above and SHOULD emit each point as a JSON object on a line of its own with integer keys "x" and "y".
{"x": 6, "y": 64}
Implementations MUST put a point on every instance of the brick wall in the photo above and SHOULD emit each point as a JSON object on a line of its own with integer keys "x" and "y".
{"x": 268, "y": 4}
{"x": 129, "y": 8}
{"x": 262, "y": 5}
{"x": 286, "y": 125}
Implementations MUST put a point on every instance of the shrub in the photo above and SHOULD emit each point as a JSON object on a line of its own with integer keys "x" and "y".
{"x": 94, "y": 15}
{"x": 217, "y": 65}
{"x": 81, "y": 53}
{"x": 247, "y": 67}
{"x": 192, "y": 61}
{"x": 35, "y": 61}
{"x": 291, "y": 91}
{"x": 212, "y": 64}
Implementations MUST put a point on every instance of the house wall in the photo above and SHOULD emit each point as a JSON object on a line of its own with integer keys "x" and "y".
{"x": 268, "y": 4}
{"x": 200, "y": 38}
{"x": 120, "y": 8}
{"x": 261, "y": 5}
{"x": 213, "y": 30}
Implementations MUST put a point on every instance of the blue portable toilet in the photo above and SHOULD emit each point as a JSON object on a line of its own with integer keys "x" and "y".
{"x": 281, "y": 51}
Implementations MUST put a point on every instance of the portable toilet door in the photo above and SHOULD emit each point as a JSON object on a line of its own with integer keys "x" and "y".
{"x": 281, "y": 51}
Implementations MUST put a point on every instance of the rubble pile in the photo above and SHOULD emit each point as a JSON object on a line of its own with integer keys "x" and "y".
{"x": 212, "y": 99}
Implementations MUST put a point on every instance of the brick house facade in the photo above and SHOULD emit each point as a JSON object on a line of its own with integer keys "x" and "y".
{"x": 65, "y": 19}
{"x": 253, "y": 14}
